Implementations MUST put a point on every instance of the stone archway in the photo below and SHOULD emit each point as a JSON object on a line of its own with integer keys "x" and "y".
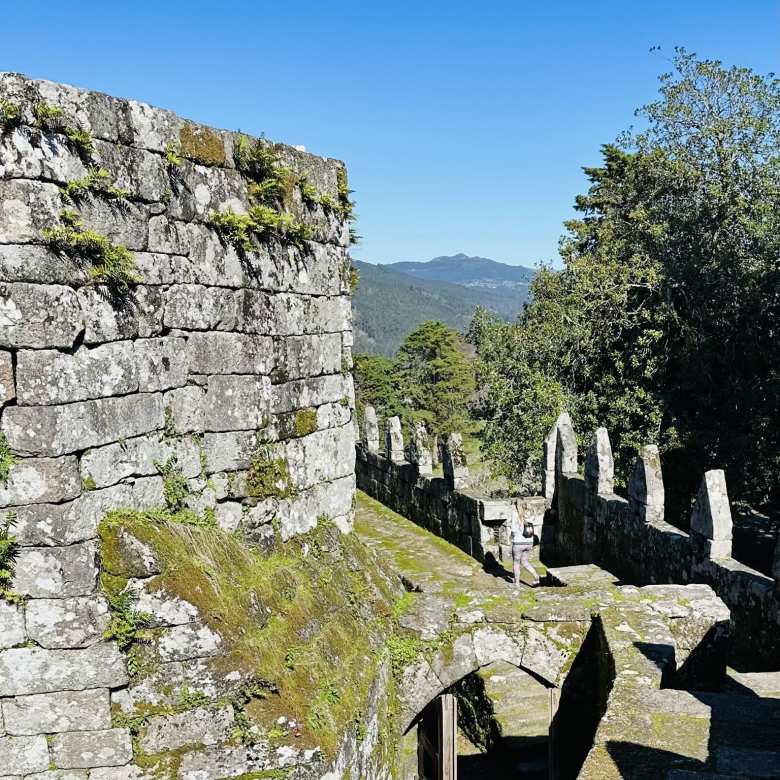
{"x": 527, "y": 648}
{"x": 426, "y": 686}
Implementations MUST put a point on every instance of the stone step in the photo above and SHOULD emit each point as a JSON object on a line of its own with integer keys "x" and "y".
{"x": 764, "y": 684}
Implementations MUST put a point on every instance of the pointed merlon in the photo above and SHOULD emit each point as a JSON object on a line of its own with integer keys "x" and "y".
{"x": 421, "y": 450}
{"x": 711, "y": 517}
{"x": 454, "y": 462}
{"x": 370, "y": 429}
{"x": 646, "y": 486}
{"x": 566, "y": 446}
{"x": 550, "y": 447}
{"x": 599, "y": 464}
{"x": 394, "y": 440}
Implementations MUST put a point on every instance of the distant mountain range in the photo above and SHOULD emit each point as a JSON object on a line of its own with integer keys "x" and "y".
{"x": 394, "y": 298}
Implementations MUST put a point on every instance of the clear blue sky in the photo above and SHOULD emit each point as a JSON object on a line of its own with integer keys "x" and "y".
{"x": 464, "y": 125}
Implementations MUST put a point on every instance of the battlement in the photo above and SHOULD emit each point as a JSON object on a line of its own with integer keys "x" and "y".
{"x": 442, "y": 504}
{"x": 589, "y": 523}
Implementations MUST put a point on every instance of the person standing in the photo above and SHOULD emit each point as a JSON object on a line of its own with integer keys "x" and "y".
{"x": 522, "y": 537}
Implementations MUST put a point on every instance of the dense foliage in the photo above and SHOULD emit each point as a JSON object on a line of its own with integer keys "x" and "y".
{"x": 662, "y": 325}
{"x": 430, "y": 379}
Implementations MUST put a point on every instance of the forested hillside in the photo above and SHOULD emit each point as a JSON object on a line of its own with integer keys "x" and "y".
{"x": 389, "y": 304}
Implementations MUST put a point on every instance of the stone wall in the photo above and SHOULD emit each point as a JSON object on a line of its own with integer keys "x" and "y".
{"x": 476, "y": 524}
{"x": 175, "y": 335}
{"x": 589, "y": 523}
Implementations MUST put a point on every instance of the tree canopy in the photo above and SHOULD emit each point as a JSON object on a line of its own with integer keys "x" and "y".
{"x": 663, "y": 323}
{"x": 430, "y": 379}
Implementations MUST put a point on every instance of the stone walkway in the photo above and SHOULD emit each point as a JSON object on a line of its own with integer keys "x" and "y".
{"x": 652, "y": 636}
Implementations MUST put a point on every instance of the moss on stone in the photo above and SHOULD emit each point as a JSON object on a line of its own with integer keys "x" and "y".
{"x": 268, "y": 476}
{"x": 202, "y": 144}
{"x": 323, "y": 594}
{"x": 305, "y": 422}
{"x": 7, "y": 460}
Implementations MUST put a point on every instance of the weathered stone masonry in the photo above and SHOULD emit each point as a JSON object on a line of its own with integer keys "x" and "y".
{"x": 589, "y": 523}
{"x": 477, "y": 524}
{"x": 214, "y": 360}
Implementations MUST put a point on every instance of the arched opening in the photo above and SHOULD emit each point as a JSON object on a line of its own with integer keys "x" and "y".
{"x": 493, "y": 722}
{"x": 501, "y": 719}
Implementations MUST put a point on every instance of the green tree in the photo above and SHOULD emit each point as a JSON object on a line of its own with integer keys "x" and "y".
{"x": 662, "y": 325}
{"x": 436, "y": 378}
{"x": 377, "y": 385}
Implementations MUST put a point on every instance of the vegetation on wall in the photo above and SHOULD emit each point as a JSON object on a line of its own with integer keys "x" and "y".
{"x": 10, "y": 115}
{"x": 8, "y": 552}
{"x": 98, "y": 181}
{"x": 109, "y": 263}
{"x": 662, "y": 325}
{"x": 317, "y": 671}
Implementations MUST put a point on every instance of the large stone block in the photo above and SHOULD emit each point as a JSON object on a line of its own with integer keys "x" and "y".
{"x": 161, "y": 363}
{"x": 24, "y": 671}
{"x": 170, "y": 237}
{"x": 142, "y": 173}
{"x": 127, "y": 224}
{"x": 22, "y": 755}
{"x": 329, "y": 315}
{"x": 11, "y": 626}
{"x": 321, "y": 456}
{"x": 305, "y": 393}
{"x": 235, "y": 403}
{"x": 85, "y": 749}
{"x": 45, "y": 572}
{"x": 229, "y": 451}
{"x": 58, "y": 430}
{"x": 67, "y": 623}
{"x": 49, "y": 713}
{"x": 202, "y": 726}
{"x": 38, "y": 315}
{"x": 184, "y": 409}
{"x": 152, "y": 128}
{"x": 24, "y": 154}
{"x": 40, "y": 481}
{"x": 64, "y": 524}
{"x": 40, "y": 265}
{"x": 105, "y": 320}
{"x": 7, "y": 382}
{"x": 230, "y": 353}
{"x": 50, "y": 377}
{"x": 137, "y": 457}
{"x": 205, "y": 190}
{"x": 194, "y": 307}
{"x": 26, "y": 208}
{"x": 298, "y": 357}
{"x": 104, "y": 116}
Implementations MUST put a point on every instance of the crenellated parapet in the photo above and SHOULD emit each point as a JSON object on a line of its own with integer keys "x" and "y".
{"x": 441, "y": 503}
{"x": 629, "y": 535}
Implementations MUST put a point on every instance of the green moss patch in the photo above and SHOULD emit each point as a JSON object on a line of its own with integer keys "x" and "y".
{"x": 306, "y": 622}
{"x": 269, "y": 475}
{"x": 305, "y": 422}
{"x": 202, "y": 145}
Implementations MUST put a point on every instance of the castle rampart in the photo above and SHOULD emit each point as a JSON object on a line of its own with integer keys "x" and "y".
{"x": 175, "y": 337}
